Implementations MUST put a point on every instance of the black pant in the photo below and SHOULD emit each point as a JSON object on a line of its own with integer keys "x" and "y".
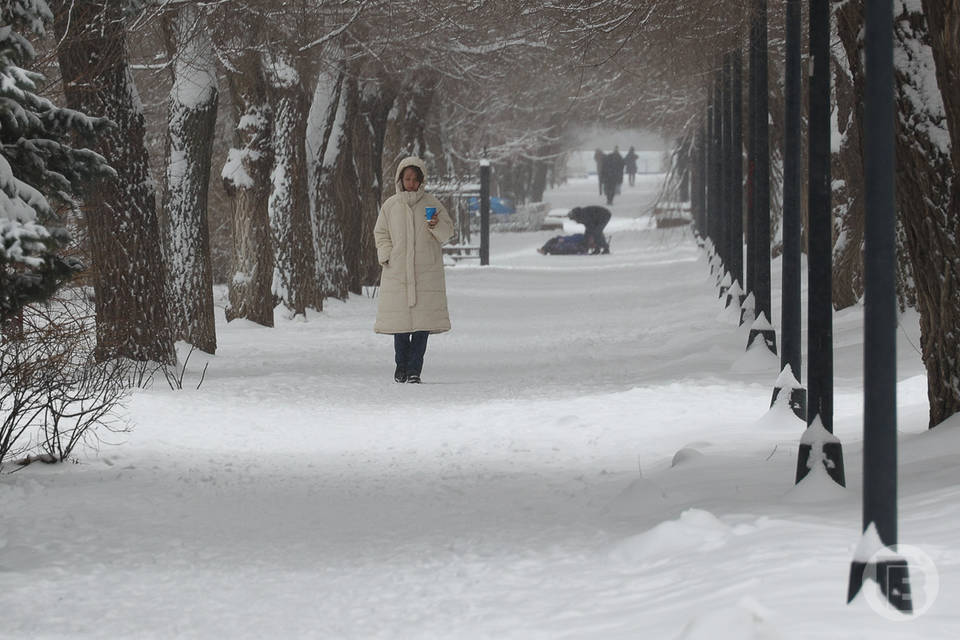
{"x": 610, "y": 190}
{"x": 409, "y": 349}
{"x": 595, "y": 231}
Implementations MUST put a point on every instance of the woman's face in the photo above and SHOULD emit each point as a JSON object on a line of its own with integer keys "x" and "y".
{"x": 410, "y": 180}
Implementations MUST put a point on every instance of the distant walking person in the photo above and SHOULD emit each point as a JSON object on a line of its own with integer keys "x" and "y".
{"x": 593, "y": 219}
{"x": 409, "y": 232}
{"x": 598, "y": 158}
{"x": 616, "y": 152}
{"x": 630, "y": 164}
{"x": 612, "y": 174}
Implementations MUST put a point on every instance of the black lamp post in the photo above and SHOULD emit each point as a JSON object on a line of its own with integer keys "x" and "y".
{"x": 790, "y": 341}
{"x": 820, "y": 305}
{"x": 484, "y": 212}
{"x": 761, "y": 179}
{"x": 880, "y": 314}
{"x": 736, "y": 166}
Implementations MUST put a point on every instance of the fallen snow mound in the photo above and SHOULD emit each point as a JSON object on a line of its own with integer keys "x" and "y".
{"x": 695, "y": 530}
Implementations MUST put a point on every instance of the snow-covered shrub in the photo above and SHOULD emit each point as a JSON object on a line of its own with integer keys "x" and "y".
{"x": 38, "y": 169}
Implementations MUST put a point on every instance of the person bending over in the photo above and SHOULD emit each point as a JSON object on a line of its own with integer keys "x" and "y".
{"x": 593, "y": 219}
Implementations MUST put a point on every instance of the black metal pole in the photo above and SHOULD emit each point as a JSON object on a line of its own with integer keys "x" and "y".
{"x": 727, "y": 133}
{"x": 700, "y": 188}
{"x": 790, "y": 311}
{"x": 762, "y": 186}
{"x": 751, "y": 158}
{"x": 715, "y": 160}
{"x": 484, "y": 212}
{"x": 761, "y": 175}
{"x": 880, "y": 306}
{"x": 736, "y": 163}
{"x": 707, "y": 171}
{"x": 720, "y": 240}
{"x": 695, "y": 183}
{"x": 819, "y": 299}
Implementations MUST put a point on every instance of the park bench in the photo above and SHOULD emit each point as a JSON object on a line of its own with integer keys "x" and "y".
{"x": 462, "y": 252}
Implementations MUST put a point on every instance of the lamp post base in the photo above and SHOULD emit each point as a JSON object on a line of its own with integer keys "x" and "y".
{"x": 832, "y": 461}
{"x": 892, "y": 576}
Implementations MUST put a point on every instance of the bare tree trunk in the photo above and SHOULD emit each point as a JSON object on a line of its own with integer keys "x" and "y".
{"x": 192, "y": 116}
{"x": 295, "y": 259}
{"x": 124, "y": 232}
{"x": 345, "y": 187}
{"x": 246, "y": 177}
{"x": 847, "y": 164}
{"x": 548, "y": 153}
{"x": 407, "y": 124}
{"x": 848, "y": 169}
{"x": 326, "y": 139}
{"x": 931, "y": 216}
{"x": 355, "y": 174}
{"x": 539, "y": 184}
{"x": 377, "y": 96}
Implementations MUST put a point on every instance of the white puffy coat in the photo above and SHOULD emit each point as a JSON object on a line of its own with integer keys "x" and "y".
{"x": 413, "y": 291}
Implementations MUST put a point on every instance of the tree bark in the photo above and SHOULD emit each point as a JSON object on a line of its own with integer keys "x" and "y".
{"x": 847, "y": 164}
{"x": 246, "y": 178}
{"x": 328, "y": 140}
{"x": 191, "y": 121}
{"x": 294, "y": 279}
{"x": 129, "y": 272}
{"x": 355, "y": 184}
{"x": 377, "y": 95}
{"x": 931, "y": 217}
{"x": 344, "y": 187}
{"x": 407, "y": 124}
{"x": 850, "y": 188}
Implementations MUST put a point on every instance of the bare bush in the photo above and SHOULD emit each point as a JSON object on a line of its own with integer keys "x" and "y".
{"x": 175, "y": 376}
{"x": 53, "y": 393}
{"x": 21, "y": 394}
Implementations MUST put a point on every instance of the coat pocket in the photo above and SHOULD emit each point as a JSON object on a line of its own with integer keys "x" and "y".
{"x": 427, "y": 251}
{"x": 390, "y": 270}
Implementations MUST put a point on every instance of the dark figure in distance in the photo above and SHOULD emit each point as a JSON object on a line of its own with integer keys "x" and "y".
{"x": 630, "y": 164}
{"x": 616, "y": 150}
{"x": 612, "y": 174}
{"x": 598, "y": 158}
{"x": 593, "y": 219}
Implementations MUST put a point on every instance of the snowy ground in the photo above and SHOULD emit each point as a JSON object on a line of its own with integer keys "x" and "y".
{"x": 301, "y": 493}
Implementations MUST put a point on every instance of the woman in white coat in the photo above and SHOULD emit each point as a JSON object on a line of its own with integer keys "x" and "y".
{"x": 410, "y": 230}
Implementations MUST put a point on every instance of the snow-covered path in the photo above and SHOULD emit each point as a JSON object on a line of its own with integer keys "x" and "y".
{"x": 301, "y": 493}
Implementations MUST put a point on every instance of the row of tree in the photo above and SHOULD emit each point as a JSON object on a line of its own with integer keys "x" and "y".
{"x": 363, "y": 83}
{"x": 927, "y": 62}
{"x": 323, "y": 99}
{"x": 304, "y": 107}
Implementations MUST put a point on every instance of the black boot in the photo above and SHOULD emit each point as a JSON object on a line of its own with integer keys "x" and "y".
{"x": 400, "y": 375}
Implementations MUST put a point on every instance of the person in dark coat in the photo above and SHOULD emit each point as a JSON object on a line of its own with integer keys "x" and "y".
{"x": 612, "y": 174}
{"x": 593, "y": 219}
{"x": 598, "y": 158}
{"x": 616, "y": 151}
{"x": 630, "y": 164}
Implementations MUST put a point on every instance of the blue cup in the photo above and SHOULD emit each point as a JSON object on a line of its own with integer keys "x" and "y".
{"x": 431, "y": 211}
